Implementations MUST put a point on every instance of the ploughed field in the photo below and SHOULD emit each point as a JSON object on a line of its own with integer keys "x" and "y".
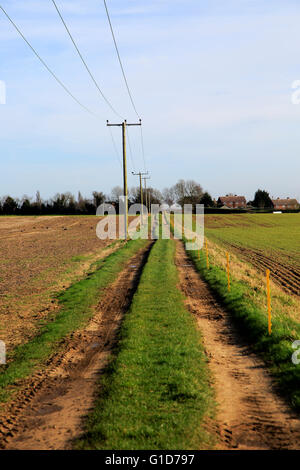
{"x": 39, "y": 257}
{"x": 265, "y": 240}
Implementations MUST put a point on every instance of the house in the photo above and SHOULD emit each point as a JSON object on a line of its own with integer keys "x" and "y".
{"x": 232, "y": 202}
{"x": 284, "y": 204}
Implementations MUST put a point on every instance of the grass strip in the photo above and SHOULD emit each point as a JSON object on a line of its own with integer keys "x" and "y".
{"x": 156, "y": 393}
{"x": 76, "y": 308}
{"x": 276, "y": 349}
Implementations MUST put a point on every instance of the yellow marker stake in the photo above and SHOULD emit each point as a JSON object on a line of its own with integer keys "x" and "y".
{"x": 207, "y": 260}
{"x": 228, "y": 272}
{"x": 269, "y": 302}
{"x": 199, "y": 254}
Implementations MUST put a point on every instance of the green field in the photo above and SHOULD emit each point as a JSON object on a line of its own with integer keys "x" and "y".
{"x": 276, "y": 235}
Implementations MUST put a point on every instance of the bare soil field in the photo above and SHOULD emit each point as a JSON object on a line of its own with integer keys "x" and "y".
{"x": 40, "y": 256}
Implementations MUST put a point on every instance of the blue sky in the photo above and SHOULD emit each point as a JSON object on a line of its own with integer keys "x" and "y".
{"x": 211, "y": 80}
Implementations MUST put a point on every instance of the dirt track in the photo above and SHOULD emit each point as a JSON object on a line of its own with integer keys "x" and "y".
{"x": 250, "y": 414}
{"x": 49, "y": 412}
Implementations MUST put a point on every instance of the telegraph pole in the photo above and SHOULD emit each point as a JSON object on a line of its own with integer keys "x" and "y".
{"x": 140, "y": 174}
{"x": 145, "y": 178}
{"x": 124, "y": 124}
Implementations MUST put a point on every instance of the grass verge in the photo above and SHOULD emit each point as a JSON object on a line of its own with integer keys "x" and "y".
{"x": 155, "y": 394}
{"x": 276, "y": 349}
{"x": 76, "y": 308}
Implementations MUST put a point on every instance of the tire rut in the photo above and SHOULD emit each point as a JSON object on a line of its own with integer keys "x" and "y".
{"x": 250, "y": 414}
{"x": 49, "y": 411}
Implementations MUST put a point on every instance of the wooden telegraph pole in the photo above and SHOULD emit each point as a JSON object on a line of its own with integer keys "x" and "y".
{"x": 124, "y": 124}
{"x": 145, "y": 178}
{"x": 149, "y": 199}
{"x": 140, "y": 174}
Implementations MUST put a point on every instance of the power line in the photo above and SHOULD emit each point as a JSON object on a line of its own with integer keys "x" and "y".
{"x": 84, "y": 62}
{"x": 124, "y": 124}
{"x": 143, "y": 148}
{"x": 125, "y": 79}
{"x": 55, "y": 77}
{"x": 46, "y": 66}
{"x": 120, "y": 61}
{"x": 130, "y": 148}
{"x": 115, "y": 146}
{"x": 140, "y": 175}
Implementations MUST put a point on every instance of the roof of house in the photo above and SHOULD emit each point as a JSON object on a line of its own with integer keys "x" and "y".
{"x": 286, "y": 201}
{"x": 237, "y": 199}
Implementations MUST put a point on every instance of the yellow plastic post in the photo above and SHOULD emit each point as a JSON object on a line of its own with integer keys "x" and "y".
{"x": 207, "y": 260}
{"x": 269, "y": 302}
{"x": 228, "y": 271}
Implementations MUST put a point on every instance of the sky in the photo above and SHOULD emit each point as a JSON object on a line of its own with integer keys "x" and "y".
{"x": 212, "y": 81}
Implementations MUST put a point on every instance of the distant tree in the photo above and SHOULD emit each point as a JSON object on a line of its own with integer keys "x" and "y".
{"x": 116, "y": 192}
{"x": 89, "y": 207}
{"x": 262, "y": 200}
{"x": 206, "y": 199}
{"x": 180, "y": 191}
{"x": 155, "y": 196}
{"x": 187, "y": 192}
{"x": 57, "y": 204}
{"x": 169, "y": 196}
{"x": 98, "y": 198}
{"x": 61, "y": 203}
{"x": 26, "y": 206}
{"x": 81, "y": 203}
{"x": 9, "y": 205}
{"x": 194, "y": 191}
{"x": 38, "y": 200}
{"x": 72, "y": 206}
{"x": 134, "y": 195}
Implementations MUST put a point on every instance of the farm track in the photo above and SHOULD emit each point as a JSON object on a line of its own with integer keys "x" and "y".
{"x": 288, "y": 277}
{"x": 48, "y": 413}
{"x": 250, "y": 413}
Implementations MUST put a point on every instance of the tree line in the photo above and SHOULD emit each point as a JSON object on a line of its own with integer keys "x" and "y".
{"x": 183, "y": 192}
{"x": 68, "y": 204}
